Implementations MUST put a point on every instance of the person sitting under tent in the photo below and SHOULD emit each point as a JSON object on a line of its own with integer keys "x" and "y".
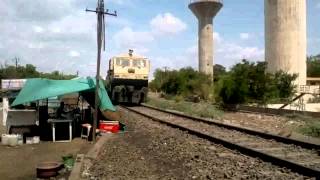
{"x": 60, "y": 113}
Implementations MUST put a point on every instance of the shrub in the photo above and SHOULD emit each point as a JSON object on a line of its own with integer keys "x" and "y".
{"x": 185, "y": 83}
{"x": 248, "y": 82}
{"x": 311, "y": 129}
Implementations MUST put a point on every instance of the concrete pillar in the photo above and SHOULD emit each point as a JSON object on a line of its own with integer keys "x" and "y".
{"x": 205, "y": 10}
{"x": 206, "y": 45}
{"x": 286, "y": 37}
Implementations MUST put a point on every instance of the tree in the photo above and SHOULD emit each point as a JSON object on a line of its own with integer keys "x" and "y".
{"x": 28, "y": 71}
{"x": 249, "y": 82}
{"x": 184, "y": 82}
{"x": 313, "y": 66}
{"x": 218, "y": 71}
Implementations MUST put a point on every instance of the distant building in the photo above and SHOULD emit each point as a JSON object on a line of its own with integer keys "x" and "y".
{"x": 313, "y": 81}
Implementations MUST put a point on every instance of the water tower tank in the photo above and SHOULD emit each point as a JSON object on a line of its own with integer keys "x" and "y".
{"x": 205, "y": 10}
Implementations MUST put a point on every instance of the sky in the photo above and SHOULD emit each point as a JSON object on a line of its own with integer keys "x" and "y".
{"x": 60, "y": 35}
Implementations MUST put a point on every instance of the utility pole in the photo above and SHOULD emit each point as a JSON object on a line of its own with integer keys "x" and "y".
{"x": 16, "y": 62}
{"x": 100, "y": 11}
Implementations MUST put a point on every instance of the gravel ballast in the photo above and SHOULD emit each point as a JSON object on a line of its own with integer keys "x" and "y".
{"x": 149, "y": 150}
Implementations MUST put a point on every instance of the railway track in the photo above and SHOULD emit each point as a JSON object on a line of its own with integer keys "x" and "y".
{"x": 300, "y": 157}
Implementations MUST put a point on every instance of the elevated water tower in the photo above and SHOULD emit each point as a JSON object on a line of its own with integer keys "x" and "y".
{"x": 286, "y": 37}
{"x": 205, "y": 10}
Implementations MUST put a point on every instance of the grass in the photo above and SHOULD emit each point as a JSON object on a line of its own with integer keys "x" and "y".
{"x": 204, "y": 110}
{"x": 311, "y": 125}
{"x": 311, "y": 129}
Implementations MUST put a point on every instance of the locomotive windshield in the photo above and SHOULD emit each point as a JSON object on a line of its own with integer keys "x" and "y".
{"x": 123, "y": 62}
{"x": 139, "y": 63}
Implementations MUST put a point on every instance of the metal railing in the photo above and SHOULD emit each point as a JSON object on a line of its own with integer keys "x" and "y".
{"x": 194, "y": 1}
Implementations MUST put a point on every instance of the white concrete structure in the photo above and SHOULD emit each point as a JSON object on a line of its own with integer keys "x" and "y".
{"x": 12, "y": 84}
{"x": 286, "y": 37}
{"x": 16, "y": 117}
{"x": 205, "y": 10}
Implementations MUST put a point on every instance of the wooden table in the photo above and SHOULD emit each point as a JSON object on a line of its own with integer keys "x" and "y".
{"x": 53, "y": 125}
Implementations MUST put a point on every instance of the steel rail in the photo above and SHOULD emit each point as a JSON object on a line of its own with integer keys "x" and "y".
{"x": 278, "y": 138}
{"x": 303, "y": 170}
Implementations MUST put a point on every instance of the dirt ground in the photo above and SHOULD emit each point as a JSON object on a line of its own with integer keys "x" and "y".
{"x": 149, "y": 150}
{"x": 19, "y": 163}
{"x": 279, "y": 125}
{"x": 267, "y": 123}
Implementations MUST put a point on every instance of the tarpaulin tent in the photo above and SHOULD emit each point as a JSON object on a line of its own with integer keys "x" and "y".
{"x": 38, "y": 89}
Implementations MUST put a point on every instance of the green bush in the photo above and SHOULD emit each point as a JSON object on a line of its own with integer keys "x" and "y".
{"x": 311, "y": 129}
{"x": 29, "y": 71}
{"x": 248, "y": 82}
{"x": 206, "y": 110}
{"x": 185, "y": 82}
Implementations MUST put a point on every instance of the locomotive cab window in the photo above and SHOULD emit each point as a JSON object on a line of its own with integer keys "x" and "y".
{"x": 125, "y": 62}
{"x": 139, "y": 63}
{"x": 118, "y": 62}
{"x": 122, "y": 62}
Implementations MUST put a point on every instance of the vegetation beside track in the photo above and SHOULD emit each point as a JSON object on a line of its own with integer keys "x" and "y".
{"x": 205, "y": 110}
{"x": 304, "y": 125}
{"x": 311, "y": 125}
{"x": 311, "y": 129}
{"x": 246, "y": 82}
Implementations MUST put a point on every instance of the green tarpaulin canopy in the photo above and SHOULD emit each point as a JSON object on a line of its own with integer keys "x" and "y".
{"x": 38, "y": 89}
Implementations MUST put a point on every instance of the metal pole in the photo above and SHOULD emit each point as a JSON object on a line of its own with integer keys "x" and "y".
{"x": 100, "y": 26}
{"x": 95, "y": 121}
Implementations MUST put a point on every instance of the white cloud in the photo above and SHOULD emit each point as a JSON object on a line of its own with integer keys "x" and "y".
{"x": 244, "y": 36}
{"x": 38, "y": 29}
{"x": 50, "y": 41}
{"x": 167, "y": 24}
{"x": 35, "y": 45}
{"x": 127, "y": 38}
{"x": 120, "y": 2}
{"x": 226, "y": 53}
{"x": 74, "y": 53}
{"x": 37, "y": 10}
{"x": 216, "y": 37}
{"x": 55, "y": 30}
{"x": 234, "y": 51}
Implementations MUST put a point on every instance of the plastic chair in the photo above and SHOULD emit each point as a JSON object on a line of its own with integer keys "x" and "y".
{"x": 85, "y": 134}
